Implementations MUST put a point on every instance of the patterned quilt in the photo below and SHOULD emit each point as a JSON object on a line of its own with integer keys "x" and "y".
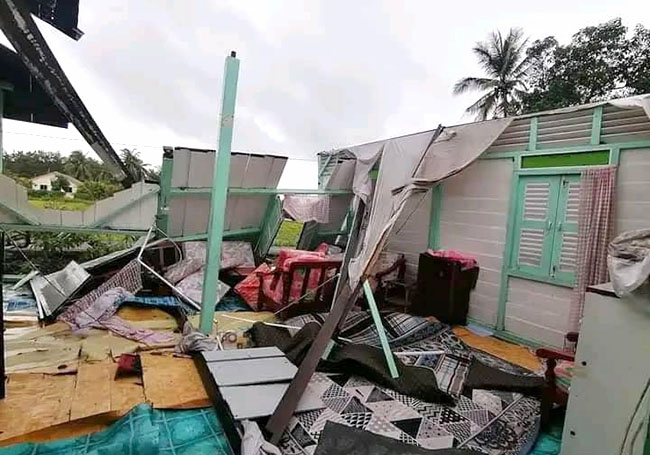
{"x": 496, "y": 423}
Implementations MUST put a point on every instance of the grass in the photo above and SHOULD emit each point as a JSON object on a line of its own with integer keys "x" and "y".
{"x": 63, "y": 204}
{"x": 288, "y": 234}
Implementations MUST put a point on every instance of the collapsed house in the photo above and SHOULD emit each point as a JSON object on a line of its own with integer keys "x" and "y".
{"x": 519, "y": 209}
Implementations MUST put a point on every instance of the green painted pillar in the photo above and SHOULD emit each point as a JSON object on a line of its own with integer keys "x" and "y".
{"x": 1, "y": 115}
{"x": 162, "y": 214}
{"x": 374, "y": 311}
{"x": 219, "y": 193}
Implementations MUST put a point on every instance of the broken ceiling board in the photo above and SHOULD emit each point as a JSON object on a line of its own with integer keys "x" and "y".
{"x": 252, "y": 371}
{"x": 172, "y": 382}
{"x": 35, "y": 401}
{"x": 241, "y": 354}
{"x": 53, "y": 290}
{"x": 267, "y": 398}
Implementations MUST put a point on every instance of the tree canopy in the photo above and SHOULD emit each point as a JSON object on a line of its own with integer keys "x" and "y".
{"x": 505, "y": 63}
{"x": 599, "y": 63}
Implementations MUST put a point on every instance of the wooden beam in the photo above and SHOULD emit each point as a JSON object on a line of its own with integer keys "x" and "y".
{"x": 162, "y": 214}
{"x": 532, "y": 134}
{"x": 74, "y": 229}
{"x": 596, "y": 125}
{"x": 344, "y": 298}
{"x": 219, "y": 194}
{"x": 180, "y": 192}
{"x": 374, "y": 311}
{"x": 434, "y": 217}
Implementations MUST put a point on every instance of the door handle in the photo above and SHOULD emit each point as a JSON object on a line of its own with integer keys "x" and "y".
{"x": 549, "y": 225}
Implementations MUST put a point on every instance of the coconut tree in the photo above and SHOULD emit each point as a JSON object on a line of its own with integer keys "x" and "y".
{"x": 79, "y": 166}
{"x": 138, "y": 169}
{"x": 505, "y": 64}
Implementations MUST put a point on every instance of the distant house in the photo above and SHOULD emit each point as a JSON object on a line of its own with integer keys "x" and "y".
{"x": 44, "y": 182}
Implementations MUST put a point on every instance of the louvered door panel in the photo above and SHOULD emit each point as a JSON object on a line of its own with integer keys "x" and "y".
{"x": 535, "y": 217}
{"x": 565, "y": 251}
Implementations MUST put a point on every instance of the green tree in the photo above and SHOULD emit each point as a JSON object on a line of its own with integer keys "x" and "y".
{"x": 79, "y": 166}
{"x": 138, "y": 169}
{"x": 95, "y": 190}
{"x": 638, "y": 61}
{"x": 31, "y": 164}
{"x": 59, "y": 183}
{"x": 505, "y": 64}
{"x": 599, "y": 63}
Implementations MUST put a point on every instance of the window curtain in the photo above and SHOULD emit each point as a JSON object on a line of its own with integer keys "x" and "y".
{"x": 595, "y": 227}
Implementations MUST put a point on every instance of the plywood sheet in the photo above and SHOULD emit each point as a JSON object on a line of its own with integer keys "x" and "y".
{"x": 35, "y": 401}
{"x": 98, "y": 391}
{"x": 92, "y": 390}
{"x": 172, "y": 382}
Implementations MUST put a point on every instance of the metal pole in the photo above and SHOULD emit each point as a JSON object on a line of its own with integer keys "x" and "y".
{"x": 1, "y": 115}
{"x": 219, "y": 193}
{"x": 162, "y": 215}
{"x": 2, "y": 316}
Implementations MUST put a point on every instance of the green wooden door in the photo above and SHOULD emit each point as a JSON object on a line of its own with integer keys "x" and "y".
{"x": 535, "y": 224}
{"x": 565, "y": 245}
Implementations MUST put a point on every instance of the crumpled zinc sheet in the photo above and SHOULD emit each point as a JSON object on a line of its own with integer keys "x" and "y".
{"x": 410, "y": 165}
{"x": 628, "y": 262}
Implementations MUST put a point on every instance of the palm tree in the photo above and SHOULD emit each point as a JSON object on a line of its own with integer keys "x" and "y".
{"x": 79, "y": 166}
{"x": 134, "y": 164}
{"x": 505, "y": 63}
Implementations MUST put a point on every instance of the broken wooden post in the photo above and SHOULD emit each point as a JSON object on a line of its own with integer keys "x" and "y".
{"x": 219, "y": 194}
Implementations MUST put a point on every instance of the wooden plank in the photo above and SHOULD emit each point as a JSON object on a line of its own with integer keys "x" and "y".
{"x": 92, "y": 390}
{"x": 35, "y": 401}
{"x": 267, "y": 397}
{"x": 172, "y": 383}
{"x": 252, "y": 371}
{"x": 344, "y": 300}
{"x": 241, "y": 354}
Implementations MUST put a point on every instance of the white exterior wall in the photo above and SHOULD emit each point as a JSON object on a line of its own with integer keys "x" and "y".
{"x": 410, "y": 236}
{"x": 538, "y": 311}
{"x": 633, "y": 191}
{"x": 473, "y": 221}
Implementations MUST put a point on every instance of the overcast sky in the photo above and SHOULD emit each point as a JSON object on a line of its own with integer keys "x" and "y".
{"x": 314, "y": 75}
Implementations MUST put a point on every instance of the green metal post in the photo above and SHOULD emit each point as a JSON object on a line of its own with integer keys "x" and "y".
{"x": 507, "y": 251}
{"x": 1, "y": 114}
{"x": 162, "y": 215}
{"x": 596, "y": 124}
{"x": 434, "y": 217}
{"x": 219, "y": 193}
{"x": 532, "y": 135}
{"x": 390, "y": 360}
